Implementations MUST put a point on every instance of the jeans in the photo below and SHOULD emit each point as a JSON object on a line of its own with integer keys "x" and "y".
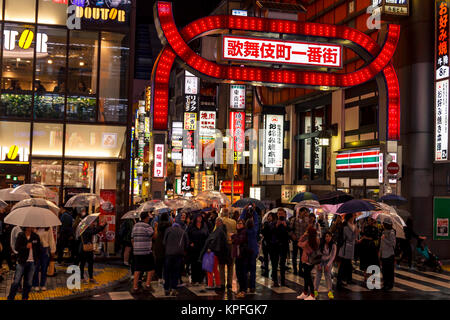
{"x": 387, "y": 269}
{"x": 278, "y": 257}
{"x": 41, "y": 267}
{"x": 309, "y": 285}
{"x": 172, "y": 271}
{"x": 89, "y": 258}
{"x": 242, "y": 273}
{"x": 214, "y": 274}
{"x": 297, "y": 252}
{"x": 26, "y": 271}
{"x": 327, "y": 275}
{"x": 252, "y": 270}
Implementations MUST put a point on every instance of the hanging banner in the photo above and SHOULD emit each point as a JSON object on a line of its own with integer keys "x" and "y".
{"x": 207, "y": 121}
{"x": 186, "y": 182}
{"x": 158, "y": 171}
{"x": 237, "y": 128}
{"x": 441, "y": 126}
{"x": 191, "y": 103}
{"x": 273, "y": 142}
{"x": 190, "y": 121}
{"x": 237, "y": 97}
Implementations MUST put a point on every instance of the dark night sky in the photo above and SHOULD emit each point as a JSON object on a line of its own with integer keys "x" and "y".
{"x": 185, "y": 11}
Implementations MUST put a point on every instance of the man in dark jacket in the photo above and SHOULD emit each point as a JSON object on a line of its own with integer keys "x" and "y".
{"x": 65, "y": 233}
{"x": 28, "y": 246}
{"x": 250, "y": 213}
{"x": 279, "y": 246}
{"x": 175, "y": 243}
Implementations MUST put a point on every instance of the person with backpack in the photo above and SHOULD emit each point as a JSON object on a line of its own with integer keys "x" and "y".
{"x": 347, "y": 250}
{"x": 310, "y": 245}
{"x": 328, "y": 250}
{"x": 387, "y": 246}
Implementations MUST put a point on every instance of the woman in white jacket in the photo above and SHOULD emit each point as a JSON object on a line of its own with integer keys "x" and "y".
{"x": 328, "y": 250}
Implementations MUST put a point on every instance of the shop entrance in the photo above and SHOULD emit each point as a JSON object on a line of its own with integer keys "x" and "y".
{"x": 13, "y": 175}
{"x": 360, "y": 186}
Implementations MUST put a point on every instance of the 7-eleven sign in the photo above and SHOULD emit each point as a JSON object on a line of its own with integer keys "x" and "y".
{"x": 358, "y": 160}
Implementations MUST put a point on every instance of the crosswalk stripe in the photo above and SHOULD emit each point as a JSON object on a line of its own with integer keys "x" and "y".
{"x": 201, "y": 291}
{"x": 361, "y": 278}
{"x": 120, "y": 295}
{"x": 299, "y": 280}
{"x": 439, "y": 275}
{"x": 415, "y": 285}
{"x": 424, "y": 279}
{"x": 268, "y": 283}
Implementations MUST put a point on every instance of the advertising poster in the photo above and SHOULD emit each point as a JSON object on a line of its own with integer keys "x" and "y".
{"x": 441, "y": 217}
{"x": 273, "y": 141}
{"x": 442, "y": 227}
{"x": 108, "y": 215}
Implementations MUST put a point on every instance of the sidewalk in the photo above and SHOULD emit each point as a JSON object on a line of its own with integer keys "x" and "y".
{"x": 107, "y": 275}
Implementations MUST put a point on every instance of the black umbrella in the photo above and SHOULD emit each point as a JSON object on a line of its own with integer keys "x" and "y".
{"x": 393, "y": 199}
{"x": 335, "y": 197}
{"x": 242, "y": 203}
{"x": 354, "y": 206}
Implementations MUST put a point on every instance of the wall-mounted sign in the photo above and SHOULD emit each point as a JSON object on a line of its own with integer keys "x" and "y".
{"x": 109, "y": 140}
{"x": 186, "y": 182}
{"x": 391, "y": 7}
{"x": 191, "y": 103}
{"x": 11, "y": 38}
{"x": 242, "y": 13}
{"x": 282, "y": 51}
{"x": 288, "y": 191}
{"x": 207, "y": 121}
{"x": 237, "y": 97}
{"x": 190, "y": 121}
{"x": 442, "y": 30}
{"x": 190, "y": 84}
{"x": 273, "y": 142}
{"x": 441, "y": 117}
{"x": 238, "y": 187}
{"x": 159, "y": 161}
{"x": 358, "y": 160}
{"x": 207, "y": 182}
{"x": 237, "y": 128}
{"x": 101, "y": 13}
{"x": 14, "y": 154}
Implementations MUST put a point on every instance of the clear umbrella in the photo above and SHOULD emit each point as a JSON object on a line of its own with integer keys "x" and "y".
{"x": 3, "y": 204}
{"x": 40, "y": 203}
{"x": 308, "y": 203}
{"x": 289, "y": 213}
{"x": 35, "y": 190}
{"x": 152, "y": 204}
{"x": 7, "y": 195}
{"x": 179, "y": 203}
{"x": 130, "y": 215}
{"x": 396, "y": 225}
{"x": 85, "y": 223}
{"x": 34, "y": 217}
{"x": 84, "y": 200}
{"x": 214, "y": 198}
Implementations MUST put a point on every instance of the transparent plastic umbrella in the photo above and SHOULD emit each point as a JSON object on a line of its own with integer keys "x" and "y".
{"x": 35, "y": 190}
{"x": 308, "y": 203}
{"x": 179, "y": 203}
{"x": 152, "y": 204}
{"x": 84, "y": 200}
{"x": 40, "y": 203}
{"x": 396, "y": 224}
{"x": 7, "y": 195}
{"x": 214, "y": 197}
{"x": 130, "y": 215}
{"x": 34, "y": 217}
{"x": 85, "y": 223}
{"x": 289, "y": 213}
{"x": 3, "y": 204}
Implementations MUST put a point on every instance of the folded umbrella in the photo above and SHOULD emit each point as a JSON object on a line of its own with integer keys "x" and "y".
{"x": 37, "y": 202}
{"x": 354, "y": 206}
{"x": 303, "y": 196}
{"x": 7, "y": 195}
{"x": 33, "y": 217}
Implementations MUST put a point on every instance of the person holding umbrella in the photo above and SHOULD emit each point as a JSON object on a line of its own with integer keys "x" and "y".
{"x": 28, "y": 246}
{"x": 86, "y": 249}
{"x": 347, "y": 251}
{"x": 387, "y": 255}
{"x": 48, "y": 248}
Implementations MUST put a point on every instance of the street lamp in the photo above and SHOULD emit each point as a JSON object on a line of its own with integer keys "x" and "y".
{"x": 325, "y": 135}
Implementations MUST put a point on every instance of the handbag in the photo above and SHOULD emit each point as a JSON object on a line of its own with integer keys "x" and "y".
{"x": 208, "y": 261}
{"x": 87, "y": 247}
{"x": 315, "y": 257}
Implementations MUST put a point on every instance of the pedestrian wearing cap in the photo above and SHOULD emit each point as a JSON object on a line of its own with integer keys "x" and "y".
{"x": 141, "y": 238}
{"x": 387, "y": 254}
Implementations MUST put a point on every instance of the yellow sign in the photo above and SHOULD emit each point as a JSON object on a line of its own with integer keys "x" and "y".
{"x": 12, "y": 153}
{"x": 26, "y": 38}
{"x": 100, "y": 14}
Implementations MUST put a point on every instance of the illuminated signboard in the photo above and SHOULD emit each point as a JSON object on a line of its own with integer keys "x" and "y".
{"x": 12, "y": 38}
{"x": 104, "y": 13}
{"x": 237, "y": 128}
{"x": 190, "y": 84}
{"x": 14, "y": 154}
{"x": 358, "y": 160}
{"x": 207, "y": 121}
{"x": 242, "y": 13}
{"x": 186, "y": 182}
{"x": 238, "y": 187}
{"x": 441, "y": 116}
{"x": 391, "y": 7}
{"x": 273, "y": 142}
{"x": 190, "y": 121}
{"x": 281, "y": 51}
{"x": 207, "y": 182}
{"x": 159, "y": 161}
{"x": 191, "y": 103}
{"x": 237, "y": 97}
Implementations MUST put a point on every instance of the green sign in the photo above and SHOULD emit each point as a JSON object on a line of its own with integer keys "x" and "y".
{"x": 8, "y": 176}
{"x": 441, "y": 217}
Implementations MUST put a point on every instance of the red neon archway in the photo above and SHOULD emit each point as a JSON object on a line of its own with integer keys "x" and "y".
{"x": 177, "y": 46}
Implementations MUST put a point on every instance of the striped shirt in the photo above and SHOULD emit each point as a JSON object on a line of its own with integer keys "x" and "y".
{"x": 142, "y": 238}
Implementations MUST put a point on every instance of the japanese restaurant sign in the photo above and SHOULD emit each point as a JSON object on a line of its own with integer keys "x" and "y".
{"x": 282, "y": 51}
{"x": 159, "y": 161}
{"x": 191, "y": 103}
{"x": 237, "y": 128}
{"x": 106, "y": 13}
{"x": 186, "y": 182}
{"x": 273, "y": 142}
{"x": 441, "y": 81}
{"x": 237, "y": 97}
{"x": 190, "y": 121}
{"x": 207, "y": 123}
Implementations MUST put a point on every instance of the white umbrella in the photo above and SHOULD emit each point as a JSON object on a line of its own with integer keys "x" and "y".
{"x": 34, "y": 217}
{"x": 130, "y": 215}
{"x": 41, "y": 203}
{"x": 35, "y": 190}
{"x": 308, "y": 203}
{"x": 7, "y": 195}
{"x": 85, "y": 223}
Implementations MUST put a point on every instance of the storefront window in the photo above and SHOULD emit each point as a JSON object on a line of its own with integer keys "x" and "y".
{"x": 14, "y": 135}
{"x": 82, "y": 83}
{"x": 46, "y": 172}
{"x": 49, "y": 84}
{"x": 319, "y": 165}
{"x": 95, "y": 141}
{"x": 20, "y": 10}
{"x": 17, "y": 68}
{"x": 52, "y": 12}
{"x": 79, "y": 174}
{"x": 114, "y": 78}
{"x": 47, "y": 139}
{"x": 110, "y": 176}
{"x": 1, "y": 9}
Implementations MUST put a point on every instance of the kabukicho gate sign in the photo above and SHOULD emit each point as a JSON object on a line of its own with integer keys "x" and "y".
{"x": 321, "y": 54}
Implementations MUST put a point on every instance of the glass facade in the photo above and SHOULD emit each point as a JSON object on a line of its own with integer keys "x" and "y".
{"x": 63, "y": 101}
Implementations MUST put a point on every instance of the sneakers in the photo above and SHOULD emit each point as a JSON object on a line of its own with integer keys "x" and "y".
{"x": 310, "y": 297}
{"x": 43, "y": 288}
{"x": 240, "y": 295}
{"x": 35, "y": 289}
{"x": 302, "y": 296}
{"x": 316, "y": 294}
{"x": 330, "y": 295}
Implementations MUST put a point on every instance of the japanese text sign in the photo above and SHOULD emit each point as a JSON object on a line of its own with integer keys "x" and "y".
{"x": 237, "y": 127}
{"x": 282, "y": 52}
{"x": 273, "y": 142}
{"x": 207, "y": 123}
{"x": 159, "y": 161}
{"x": 237, "y": 97}
{"x": 190, "y": 121}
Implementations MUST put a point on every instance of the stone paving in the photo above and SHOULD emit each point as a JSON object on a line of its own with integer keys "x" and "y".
{"x": 106, "y": 276}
